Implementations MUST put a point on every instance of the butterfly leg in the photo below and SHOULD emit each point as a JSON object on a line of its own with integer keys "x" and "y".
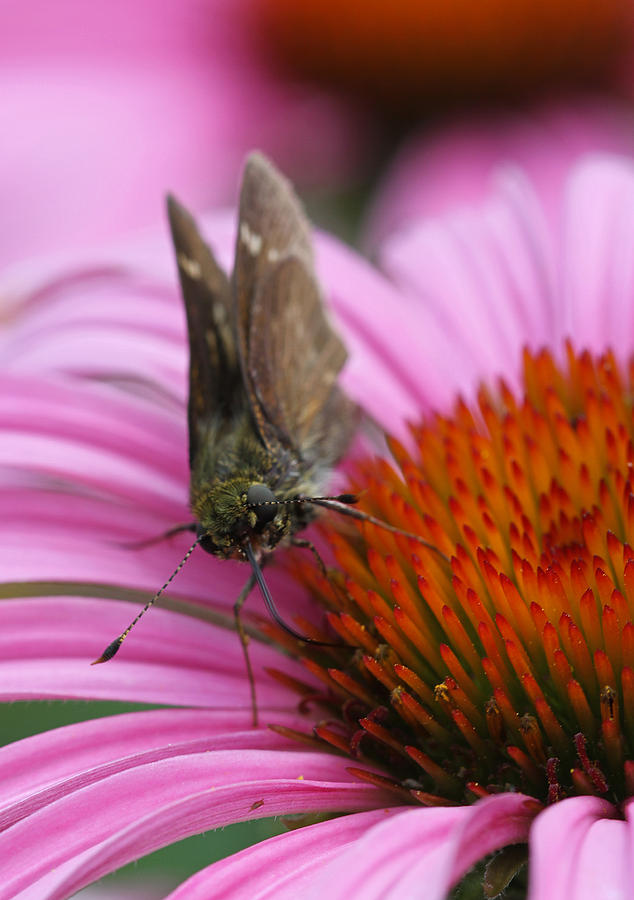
{"x": 148, "y": 542}
{"x": 308, "y": 545}
{"x": 244, "y": 640}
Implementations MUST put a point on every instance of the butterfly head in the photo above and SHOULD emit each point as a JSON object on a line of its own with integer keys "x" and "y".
{"x": 233, "y": 512}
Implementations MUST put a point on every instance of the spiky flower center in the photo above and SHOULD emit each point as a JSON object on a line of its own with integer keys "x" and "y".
{"x": 509, "y": 665}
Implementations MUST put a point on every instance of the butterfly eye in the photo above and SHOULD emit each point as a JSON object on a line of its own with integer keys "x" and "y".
{"x": 263, "y": 501}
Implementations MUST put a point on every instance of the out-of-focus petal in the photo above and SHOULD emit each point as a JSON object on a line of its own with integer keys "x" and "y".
{"x": 454, "y": 166}
{"x": 492, "y": 279}
{"x": 106, "y": 107}
{"x": 484, "y": 284}
{"x": 58, "y": 432}
{"x": 580, "y": 849}
{"x": 596, "y": 250}
{"x": 386, "y": 372}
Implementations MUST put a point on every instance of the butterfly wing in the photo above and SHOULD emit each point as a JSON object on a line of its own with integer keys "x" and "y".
{"x": 215, "y": 380}
{"x": 294, "y": 364}
{"x": 289, "y": 353}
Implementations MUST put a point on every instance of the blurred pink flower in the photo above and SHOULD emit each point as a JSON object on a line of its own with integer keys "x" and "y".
{"x": 106, "y": 106}
{"x": 452, "y": 166}
{"x": 92, "y": 454}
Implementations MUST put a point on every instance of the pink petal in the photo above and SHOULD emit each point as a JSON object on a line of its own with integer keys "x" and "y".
{"x": 101, "y": 826}
{"x": 107, "y": 111}
{"x": 501, "y": 276}
{"x": 47, "y": 646}
{"x": 38, "y": 770}
{"x": 91, "y": 436}
{"x": 597, "y": 256}
{"x": 580, "y": 849}
{"x": 76, "y": 564}
{"x": 33, "y": 510}
{"x": 485, "y": 290}
{"x": 386, "y": 373}
{"x": 434, "y": 847}
{"x": 455, "y": 165}
{"x": 117, "y": 346}
{"x": 96, "y": 416}
{"x": 283, "y": 866}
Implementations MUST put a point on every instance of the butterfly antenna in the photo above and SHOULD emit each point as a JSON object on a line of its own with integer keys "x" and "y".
{"x": 342, "y": 503}
{"x": 340, "y": 506}
{"x": 346, "y": 499}
{"x": 112, "y": 648}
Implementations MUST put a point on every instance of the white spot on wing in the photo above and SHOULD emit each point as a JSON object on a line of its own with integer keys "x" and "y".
{"x": 251, "y": 240}
{"x": 190, "y": 267}
{"x": 273, "y": 255}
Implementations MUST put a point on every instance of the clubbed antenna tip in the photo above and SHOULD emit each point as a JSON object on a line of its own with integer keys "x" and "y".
{"x": 112, "y": 648}
{"x": 109, "y": 652}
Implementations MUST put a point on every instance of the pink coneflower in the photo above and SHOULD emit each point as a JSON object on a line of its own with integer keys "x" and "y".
{"x": 484, "y": 702}
{"x": 105, "y": 106}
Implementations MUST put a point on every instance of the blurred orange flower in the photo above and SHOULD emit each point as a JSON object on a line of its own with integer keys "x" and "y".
{"x": 415, "y": 53}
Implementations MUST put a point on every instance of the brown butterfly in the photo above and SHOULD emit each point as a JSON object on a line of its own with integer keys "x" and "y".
{"x": 267, "y": 419}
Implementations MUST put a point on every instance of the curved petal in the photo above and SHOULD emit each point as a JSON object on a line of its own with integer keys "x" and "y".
{"x": 383, "y": 373}
{"x": 580, "y": 849}
{"x": 85, "y": 435}
{"x": 434, "y": 847}
{"x": 283, "y": 866}
{"x": 112, "y": 326}
{"x": 453, "y": 166}
{"x": 38, "y": 770}
{"x": 502, "y": 276}
{"x": 597, "y": 256}
{"x": 95, "y": 416}
{"x": 485, "y": 290}
{"x": 99, "y": 827}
